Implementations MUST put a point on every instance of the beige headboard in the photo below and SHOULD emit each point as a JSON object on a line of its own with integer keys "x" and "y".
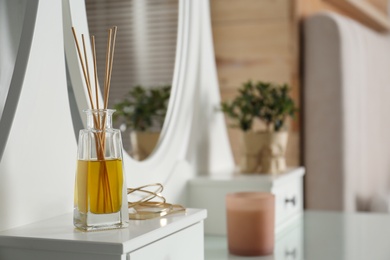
{"x": 346, "y": 113}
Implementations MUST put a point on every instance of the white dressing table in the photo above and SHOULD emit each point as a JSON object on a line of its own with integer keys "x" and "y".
{"x": 322, "y": 236}
{"x": 177, "y": 236}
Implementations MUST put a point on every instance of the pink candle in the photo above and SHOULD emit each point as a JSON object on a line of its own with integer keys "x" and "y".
{"x": 250, "y": 223}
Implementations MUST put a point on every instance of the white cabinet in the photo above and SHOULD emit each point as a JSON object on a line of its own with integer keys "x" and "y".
{"x": 175, "y": 237}
{"x": 209, "y": 193}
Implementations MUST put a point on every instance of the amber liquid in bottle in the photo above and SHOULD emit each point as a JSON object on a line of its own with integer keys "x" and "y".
{"x": 100, "y": 183}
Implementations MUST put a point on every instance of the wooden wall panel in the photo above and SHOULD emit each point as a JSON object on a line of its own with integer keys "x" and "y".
{"x": 233, "y": 74}
{"x": 239, "y": 10}
{"x": 256, "y": 40}
{"x": 243, "y": 53}
{"x": 251, "y": 39}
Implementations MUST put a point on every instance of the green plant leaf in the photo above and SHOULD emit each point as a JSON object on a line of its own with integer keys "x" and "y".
{"x": 268, "y": 102}
{"x": 143, "y": 108}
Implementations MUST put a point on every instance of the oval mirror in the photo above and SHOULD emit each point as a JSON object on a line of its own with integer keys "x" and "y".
{"x": 143, "y": 65}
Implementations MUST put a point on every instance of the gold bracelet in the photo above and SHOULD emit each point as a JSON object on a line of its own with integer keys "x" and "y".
{"x": 147, "y": 209}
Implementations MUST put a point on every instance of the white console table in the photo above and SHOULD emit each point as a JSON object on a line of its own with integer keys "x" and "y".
{"x": 322, "y": 236}
{"x": 175, "y": 237}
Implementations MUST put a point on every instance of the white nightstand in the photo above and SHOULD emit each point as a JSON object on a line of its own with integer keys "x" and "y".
{"x": 177, "y": 236}
{"x": 209, "y": 193}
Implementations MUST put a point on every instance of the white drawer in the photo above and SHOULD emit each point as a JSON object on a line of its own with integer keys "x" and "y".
{"x": 288, "y": 200}
{"x": 186, "y": 244}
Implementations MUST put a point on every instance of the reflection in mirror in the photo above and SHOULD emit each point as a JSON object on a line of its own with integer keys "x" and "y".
{"x": 143, "y": 65}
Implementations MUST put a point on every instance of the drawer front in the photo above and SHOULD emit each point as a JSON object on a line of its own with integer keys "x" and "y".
{"x": 185, "y": 244}
{"x": 288, "y": 200}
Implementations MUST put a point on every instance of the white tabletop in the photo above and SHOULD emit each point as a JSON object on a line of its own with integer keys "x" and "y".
{"x": 59, "y": 234}
{"x": 326, "y": 236}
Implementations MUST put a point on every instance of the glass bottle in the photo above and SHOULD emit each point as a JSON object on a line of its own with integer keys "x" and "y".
{"x": 100, "y": 184}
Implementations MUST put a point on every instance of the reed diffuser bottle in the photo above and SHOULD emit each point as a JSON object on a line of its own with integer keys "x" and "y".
{"x": 100, "y": 189}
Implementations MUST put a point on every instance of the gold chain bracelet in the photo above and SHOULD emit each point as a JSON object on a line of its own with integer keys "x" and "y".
{"x": 145, "y": 208}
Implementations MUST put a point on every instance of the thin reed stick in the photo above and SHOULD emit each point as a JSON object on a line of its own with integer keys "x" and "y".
{"x": 115, "y": 28}
{"x": 108, "y": 52}
{"x": 95, "y": 74}
{"x": 82, "y": 65}
{"x": 86, "y": 63}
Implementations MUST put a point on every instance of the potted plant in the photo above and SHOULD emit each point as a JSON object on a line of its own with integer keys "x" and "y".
{"x": 271, "y": 104}
{"x": 276, "y": 107}
{"x": 143, "y": 110}
{"x": 242, "y": 111}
